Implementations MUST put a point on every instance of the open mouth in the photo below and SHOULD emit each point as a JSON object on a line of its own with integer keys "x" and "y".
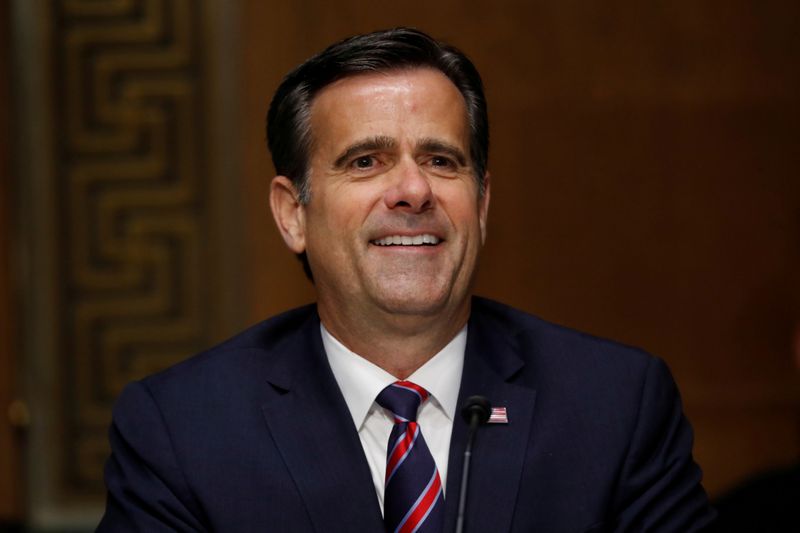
{"x": 407, "y": 240}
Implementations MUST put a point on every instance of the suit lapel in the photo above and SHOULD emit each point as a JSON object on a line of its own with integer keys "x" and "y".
{"x": 314, "y": 433}
{"x": 491, "y": 360}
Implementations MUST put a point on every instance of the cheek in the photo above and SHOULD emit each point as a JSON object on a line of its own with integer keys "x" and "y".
{"x": 461, "y": 206}
{"x": 335, "y": 221}
{"x": 355, "y": 204}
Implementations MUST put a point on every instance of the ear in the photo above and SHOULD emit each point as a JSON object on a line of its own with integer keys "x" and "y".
{"x": 289, "y": 213}
{"x": 483, "y": 206}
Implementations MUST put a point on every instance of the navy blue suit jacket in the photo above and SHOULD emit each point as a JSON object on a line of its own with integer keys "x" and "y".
{"x": 254, "y": 435}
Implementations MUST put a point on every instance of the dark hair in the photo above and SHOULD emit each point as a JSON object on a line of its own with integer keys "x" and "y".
{"x": 289, "y": 135}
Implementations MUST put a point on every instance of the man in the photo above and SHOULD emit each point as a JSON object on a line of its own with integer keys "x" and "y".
{"x": 344, "y": 416}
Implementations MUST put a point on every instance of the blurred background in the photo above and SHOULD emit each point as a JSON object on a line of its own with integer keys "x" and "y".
{"x": 645, "y": 188}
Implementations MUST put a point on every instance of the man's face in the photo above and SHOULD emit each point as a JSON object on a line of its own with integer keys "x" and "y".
{"x": 395, "y": 222}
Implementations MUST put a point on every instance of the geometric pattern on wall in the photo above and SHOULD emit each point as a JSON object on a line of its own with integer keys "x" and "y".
{"x": 132, "y": 207}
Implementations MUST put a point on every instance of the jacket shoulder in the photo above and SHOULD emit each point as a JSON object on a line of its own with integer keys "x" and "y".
{"x": 537, "y": 334}
{"x": 249, "y": 352}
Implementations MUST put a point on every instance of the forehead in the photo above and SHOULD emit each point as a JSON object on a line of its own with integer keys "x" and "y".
{"x": 420, "y": 102}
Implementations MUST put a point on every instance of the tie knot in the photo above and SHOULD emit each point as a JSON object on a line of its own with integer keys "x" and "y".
{"x": 403, "y": 399}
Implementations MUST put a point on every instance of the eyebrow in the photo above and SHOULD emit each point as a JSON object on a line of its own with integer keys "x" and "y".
{"x": 384, "y": 142}
{"x": 380, "y": 142}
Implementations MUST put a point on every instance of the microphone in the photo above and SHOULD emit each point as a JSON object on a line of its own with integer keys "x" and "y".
{"x": 476, "y": 412}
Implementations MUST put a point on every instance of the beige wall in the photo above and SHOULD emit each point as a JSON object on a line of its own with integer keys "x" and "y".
{"x": 644, "y": 161}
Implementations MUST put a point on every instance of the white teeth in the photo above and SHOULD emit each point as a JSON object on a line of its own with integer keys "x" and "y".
{"x": 406, "y": 240}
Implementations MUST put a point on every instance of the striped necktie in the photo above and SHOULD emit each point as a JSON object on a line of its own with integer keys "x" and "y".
{"x": 413, "y": 499}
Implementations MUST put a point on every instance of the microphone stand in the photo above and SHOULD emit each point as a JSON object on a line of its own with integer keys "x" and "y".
{"x": 476, "y": 412}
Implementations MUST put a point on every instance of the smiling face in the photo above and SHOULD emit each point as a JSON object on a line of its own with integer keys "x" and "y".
{"x": 395, "y": 221}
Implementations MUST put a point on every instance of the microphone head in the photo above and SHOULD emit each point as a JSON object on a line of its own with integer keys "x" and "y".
{"x": 476, "y": 406}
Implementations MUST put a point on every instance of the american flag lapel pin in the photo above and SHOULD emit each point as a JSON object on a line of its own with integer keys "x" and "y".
{"x": 499, "y": 416}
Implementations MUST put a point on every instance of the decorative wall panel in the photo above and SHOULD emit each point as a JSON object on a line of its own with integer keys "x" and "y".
{"x": 132, "y": 189}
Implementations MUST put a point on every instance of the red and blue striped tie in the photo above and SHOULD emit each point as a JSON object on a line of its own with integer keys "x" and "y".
{"x": 413, "y": 500}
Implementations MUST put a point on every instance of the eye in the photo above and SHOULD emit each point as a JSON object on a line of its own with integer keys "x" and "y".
{"x": 443, "y": 162}
{"x": 363, "y": 162}
{"x": 443, "y": 165}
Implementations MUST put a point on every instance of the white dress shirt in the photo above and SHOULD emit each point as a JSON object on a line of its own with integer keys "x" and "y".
{"x": 361, "y": 381}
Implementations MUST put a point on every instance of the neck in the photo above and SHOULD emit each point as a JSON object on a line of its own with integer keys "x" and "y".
{"x": 399, "y": 344}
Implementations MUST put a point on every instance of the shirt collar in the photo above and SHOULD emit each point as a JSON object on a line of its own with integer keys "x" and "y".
{"x": 360, "y": 381}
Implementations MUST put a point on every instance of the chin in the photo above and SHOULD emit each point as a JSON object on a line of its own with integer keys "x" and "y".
{"x": 416, "y": 302}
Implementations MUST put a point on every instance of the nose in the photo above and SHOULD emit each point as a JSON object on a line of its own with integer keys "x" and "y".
{"x": 410, "y": 189}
